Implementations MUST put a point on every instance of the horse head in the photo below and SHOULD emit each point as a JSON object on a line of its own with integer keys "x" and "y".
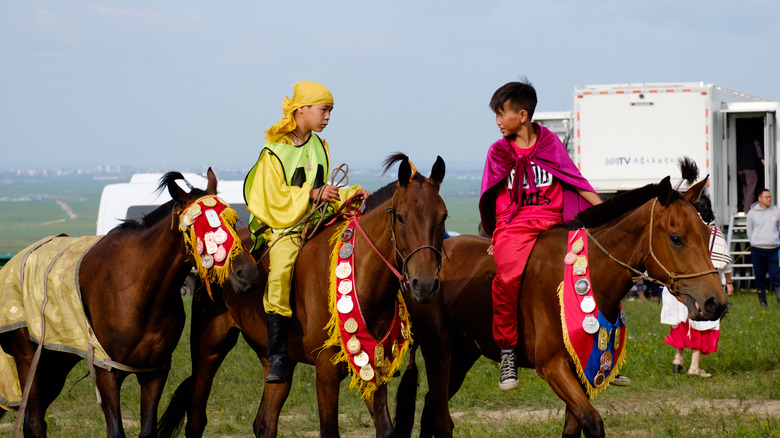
{"x": 208, "y": 224}
{"x": 679, "y": 252}
{"x": 417, "y": 217}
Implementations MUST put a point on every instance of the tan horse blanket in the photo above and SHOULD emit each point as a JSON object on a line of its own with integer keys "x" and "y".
{"x": 48, "y": 268}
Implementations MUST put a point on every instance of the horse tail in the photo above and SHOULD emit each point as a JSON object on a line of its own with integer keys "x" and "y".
{"x": 406, "y": 397}
{"x": 172, "y": 419}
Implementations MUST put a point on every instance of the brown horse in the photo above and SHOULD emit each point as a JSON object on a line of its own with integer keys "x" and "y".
{"x": 454, "y": 330}
{"x": 407, "y": 229}
{"x": 129, "y": 283}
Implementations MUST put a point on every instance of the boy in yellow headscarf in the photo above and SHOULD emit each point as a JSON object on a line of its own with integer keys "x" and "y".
{"x": 289, "y": 175}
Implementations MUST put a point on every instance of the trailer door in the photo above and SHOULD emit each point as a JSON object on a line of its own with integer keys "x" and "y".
{"x": 750, "y": 120}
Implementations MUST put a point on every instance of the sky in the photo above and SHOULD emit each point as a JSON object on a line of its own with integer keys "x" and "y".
{"x": 179, "y": 84}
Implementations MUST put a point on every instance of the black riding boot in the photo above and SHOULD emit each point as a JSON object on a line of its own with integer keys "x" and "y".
{"x": 777, "y": 293}
{"x": 761, "y": 296}
{"x": 277, "y": 348}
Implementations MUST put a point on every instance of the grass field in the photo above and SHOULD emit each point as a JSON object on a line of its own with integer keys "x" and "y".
{"x": 742, "y": 399}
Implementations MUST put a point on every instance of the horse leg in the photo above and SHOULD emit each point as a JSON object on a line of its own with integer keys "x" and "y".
{"x": 328, "y": 377}
{"x": 17, "y": 343}
{"x": 571, "y": 427}
{"x": 450, "y": 362}
{"x": 383, "y": 424}
{"x": 274, "y": 395}
{"x": 209, "y": 346}
{"x": 152, "y": 385}
{"x": 559, "y": 375}
{"x": 109, "y": 383}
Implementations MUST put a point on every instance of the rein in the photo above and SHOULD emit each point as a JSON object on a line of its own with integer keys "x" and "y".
{"x": 672, "y": 285}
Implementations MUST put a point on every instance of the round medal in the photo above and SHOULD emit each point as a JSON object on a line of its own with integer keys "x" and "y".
{"x": 361, "y": 359}
{"x": 570, "y": 258}
{"x": 590, "y": 324}
{"x": 220, "y": 254}
{"x": 344, "y": 304}
{"x": 366, "y": 372}
{"x": 350, "y": 325}
{"x": 345, "y": 286}
{"x": 582, "y": 286}
{"x": 588, "y": 304}
{"x": 353, "y": 345}
{"x": 220, "y": 236}
{"x": 347, "y": 234}
{"x": 207, "y": 261}
{"x": 209, "y": 201}
{"x": 599, "y": 379}
{"x": 346, "y": 250}
{"x": 343, "y": 270}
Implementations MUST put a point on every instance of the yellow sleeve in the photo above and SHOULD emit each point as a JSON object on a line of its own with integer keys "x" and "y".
{"x": 271, "y": 200}
{"x": 345, "y": 194}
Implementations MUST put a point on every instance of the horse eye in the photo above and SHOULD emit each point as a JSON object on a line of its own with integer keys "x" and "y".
{"x": 400, "y": 218}
{"x": 676, "y": 240}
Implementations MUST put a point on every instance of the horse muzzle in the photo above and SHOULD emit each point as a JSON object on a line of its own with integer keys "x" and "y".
{"x": 423, "y": 290}
{"x": 245, "y": 276}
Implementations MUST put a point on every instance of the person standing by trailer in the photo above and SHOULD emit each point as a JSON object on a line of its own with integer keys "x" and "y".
{"x": 763, "y": 230}
{"x": 750, "y": 156}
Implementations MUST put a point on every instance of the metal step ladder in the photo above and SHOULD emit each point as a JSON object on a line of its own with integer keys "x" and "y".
{"x": 739, "y": 247}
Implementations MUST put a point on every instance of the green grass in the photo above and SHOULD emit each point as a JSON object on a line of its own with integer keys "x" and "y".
{"x": 746, "y": 373}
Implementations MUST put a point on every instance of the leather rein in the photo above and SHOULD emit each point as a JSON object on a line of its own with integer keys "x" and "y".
{"x": 673, "y": 277}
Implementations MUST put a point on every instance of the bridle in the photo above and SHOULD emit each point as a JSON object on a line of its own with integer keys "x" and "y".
{"x": 673, "y": 277}
{"x": 397, "y": 253}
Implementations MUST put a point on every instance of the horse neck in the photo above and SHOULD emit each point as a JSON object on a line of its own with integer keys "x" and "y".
{"x": 376, "y": 284}
{"x": 164, "y": 262}
{"x": 626, "y": 239}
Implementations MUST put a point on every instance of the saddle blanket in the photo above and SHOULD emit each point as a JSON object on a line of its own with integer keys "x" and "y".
{"x": 49, "y": 267}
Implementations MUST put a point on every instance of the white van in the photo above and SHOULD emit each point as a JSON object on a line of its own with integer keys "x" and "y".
{"x": 135, "y": 199}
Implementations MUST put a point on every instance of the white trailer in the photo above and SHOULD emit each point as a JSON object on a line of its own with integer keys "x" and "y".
{"x": 623, "y": 136}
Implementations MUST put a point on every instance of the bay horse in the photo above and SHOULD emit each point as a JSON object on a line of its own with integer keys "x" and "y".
{"x": 455, "y": 329}
{"x": 402, "y": 220}
{"x": 129, "y": 283}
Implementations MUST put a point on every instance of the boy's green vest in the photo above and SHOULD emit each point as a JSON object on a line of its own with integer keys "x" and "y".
{"x": 290, "y": 157}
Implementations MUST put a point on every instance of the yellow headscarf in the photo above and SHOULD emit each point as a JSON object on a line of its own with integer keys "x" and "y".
{"x": 305, "y": 93}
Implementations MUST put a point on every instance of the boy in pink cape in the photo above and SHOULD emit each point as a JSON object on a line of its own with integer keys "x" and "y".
{"x": 529, "y": 185}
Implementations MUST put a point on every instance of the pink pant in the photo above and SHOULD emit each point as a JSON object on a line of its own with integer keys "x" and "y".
{"x": 513, "y": 243}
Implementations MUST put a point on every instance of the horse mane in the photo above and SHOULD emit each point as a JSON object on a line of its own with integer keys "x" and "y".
{"x": 158, "y": 214}
{"x": 615, "y": 207}
{"x": 380, "y": 196}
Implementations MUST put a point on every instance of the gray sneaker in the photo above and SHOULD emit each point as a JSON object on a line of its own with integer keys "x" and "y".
{"x": 621, "y": 380}
{"x": 508, "y": 379}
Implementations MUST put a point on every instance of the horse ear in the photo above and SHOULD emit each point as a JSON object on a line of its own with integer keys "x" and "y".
{"x": 694, "y": 193}
{"x": 404, "y": 172}
{"x": 437, "y": 172}
{"x": 211, "y": 188}
{"x": 665, "y": 191}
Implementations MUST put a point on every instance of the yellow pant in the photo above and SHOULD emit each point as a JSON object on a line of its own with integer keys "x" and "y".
{"x": 282, "y": 256}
